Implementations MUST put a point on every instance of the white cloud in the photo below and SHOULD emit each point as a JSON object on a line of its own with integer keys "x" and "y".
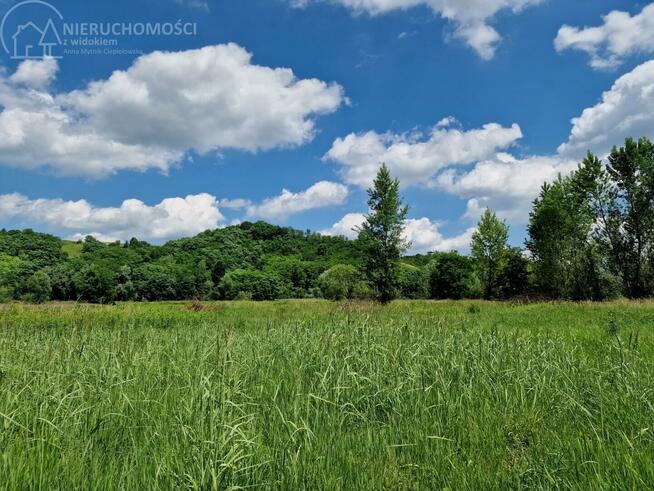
{"x": 346, "y": 226}
{"x": 235, "y": 204}
{"x": 151, "y": 114}
{"x": 425, "y": 236}
{"x": 37, "y": 74}
{"x": 504, "y": 183}
{"x": 320, "y": 195}
{"x": 415, "y": 158}
{"x": 422, "y": 233}
{"x": 470, "y": 17}
{"x": 619, "y": 36}
{"x": 172, "y": 218}
{"x": 627, "y": 109}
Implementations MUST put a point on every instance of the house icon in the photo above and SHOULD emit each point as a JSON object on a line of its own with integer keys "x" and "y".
{"x": 31, "y": 42}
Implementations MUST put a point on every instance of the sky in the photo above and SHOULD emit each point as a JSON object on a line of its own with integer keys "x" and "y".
{"x": 163, "y": 118}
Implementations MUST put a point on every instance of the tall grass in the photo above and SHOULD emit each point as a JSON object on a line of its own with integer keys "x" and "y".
{"x": 313, "y": 395}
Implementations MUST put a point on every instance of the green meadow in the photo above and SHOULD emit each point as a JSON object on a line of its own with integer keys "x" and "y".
{"x": 319, "y": 395}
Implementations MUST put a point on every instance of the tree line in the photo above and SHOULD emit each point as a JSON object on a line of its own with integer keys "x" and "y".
{"x": 590, "y": 237}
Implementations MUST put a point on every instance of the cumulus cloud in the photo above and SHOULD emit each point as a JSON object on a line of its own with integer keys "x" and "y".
{"x": 425, "y": 236}
{"x": 506, "y": 184}
{"x": 320, "y": 195}
{"x": 346, "y": 226}
{"x": 422, "y": 233}
{"x": 619, "y": 36}
{"x": 470, "y": 17}
{"x": 414, "y": 157}
{"x": 235, "y": 204}
{"x": 627, "y": 109}
{"x": 172, "y": 218}
{"x": 36, "y": 73}
{"x": 153, "y": 113}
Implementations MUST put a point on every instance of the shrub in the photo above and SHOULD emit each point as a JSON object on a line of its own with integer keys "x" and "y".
{"x": 94, "y": 284}
{"x": 411, "y": 282}
{"x": 38, "y": 288}
{"x": 342, "y": 281}
{"x": 449, "y": 275}
{"x": 252, "y": 283}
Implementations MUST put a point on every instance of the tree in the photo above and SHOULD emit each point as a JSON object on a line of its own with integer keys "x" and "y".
{"x": 38, "y": 288}
{"x": 252, "y": 284}
{"x": 411, "y": 282}
{"x": 629, "y": 225}
{"x": 340, "y": 282}
{"x": 489, "y": 247}
{"x": 381, "y": 235}
{"x": 515, "y": 276}
{"x": 571, "y": 228}
{"x": 449, "y": 276}
{"x": 124, "y": 286}
{"x": 94, "y": 284}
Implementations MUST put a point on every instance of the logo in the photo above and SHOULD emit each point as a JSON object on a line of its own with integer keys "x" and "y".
{"x": 30, "y": 30}
{"x": 35, "y": 30}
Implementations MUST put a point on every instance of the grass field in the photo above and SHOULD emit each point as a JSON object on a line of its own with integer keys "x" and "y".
{"x": 315, "y": 395}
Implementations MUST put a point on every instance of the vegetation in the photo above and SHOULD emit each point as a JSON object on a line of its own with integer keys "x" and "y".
{"x": 489, "y": 252}
{"x": 317, "y": 395}
{"x": 590, "y": 237}
{"x": 381, "y": 235}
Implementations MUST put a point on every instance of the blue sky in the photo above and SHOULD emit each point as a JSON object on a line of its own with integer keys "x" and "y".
{"x": 469, "y": 102}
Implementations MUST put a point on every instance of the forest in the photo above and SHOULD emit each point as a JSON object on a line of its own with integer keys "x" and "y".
{"x": 590, "y": 237}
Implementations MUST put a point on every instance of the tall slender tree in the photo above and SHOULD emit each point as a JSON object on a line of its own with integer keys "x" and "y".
{"x": 381, "y": 235}
{"x": 489, "y": 251}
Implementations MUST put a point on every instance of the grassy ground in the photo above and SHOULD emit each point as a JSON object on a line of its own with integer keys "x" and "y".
{"x": 314, "y": 395}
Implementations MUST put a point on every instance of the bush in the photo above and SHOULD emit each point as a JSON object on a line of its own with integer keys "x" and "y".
{"x": 5, "y": 294}
{"x": 252, "y": 284}
{"x": 343, "y": 281}
{"x": 94, "y": 284}
{"x": 515, "y": 275}
{"x": 38, "y": 288}
{"x": 449, "y": 276}
{"x": 411, "y": 282}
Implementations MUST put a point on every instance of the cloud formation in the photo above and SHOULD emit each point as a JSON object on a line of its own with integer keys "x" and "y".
{"x": 320, "y": 195}
{"x": 153, "y": 113}
{"x": 171, "y": 218}
{"x": 415, "y": 158}
{"x": 506, "y": 184}
{"x": 471, "y": 18}
{"x": 619, "y": 36}
{"x": 627, "y": 109}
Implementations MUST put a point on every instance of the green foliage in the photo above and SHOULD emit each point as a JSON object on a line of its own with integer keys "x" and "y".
{"x": 515, "y": 275}
{"x": 72, "y": 249}
{"x": 93, "y": 283}
{"x": 252, "y": 284}
{"x": 629, "y": 225}
{"x": 38, "y": 288}
{"x": 489, "y": 252}
{"x": 381, "y": 235}
{"x": 591, "y": 229}
{"x": 411, "y": 282}
{"x": 11, "y": 268}
{"x": 449, "y": 276}
{"x": 36, "y": 250}
{"x": 341, "y": 282}
{"x": 190, "y": 268}
{"x": 301, "y": 275}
